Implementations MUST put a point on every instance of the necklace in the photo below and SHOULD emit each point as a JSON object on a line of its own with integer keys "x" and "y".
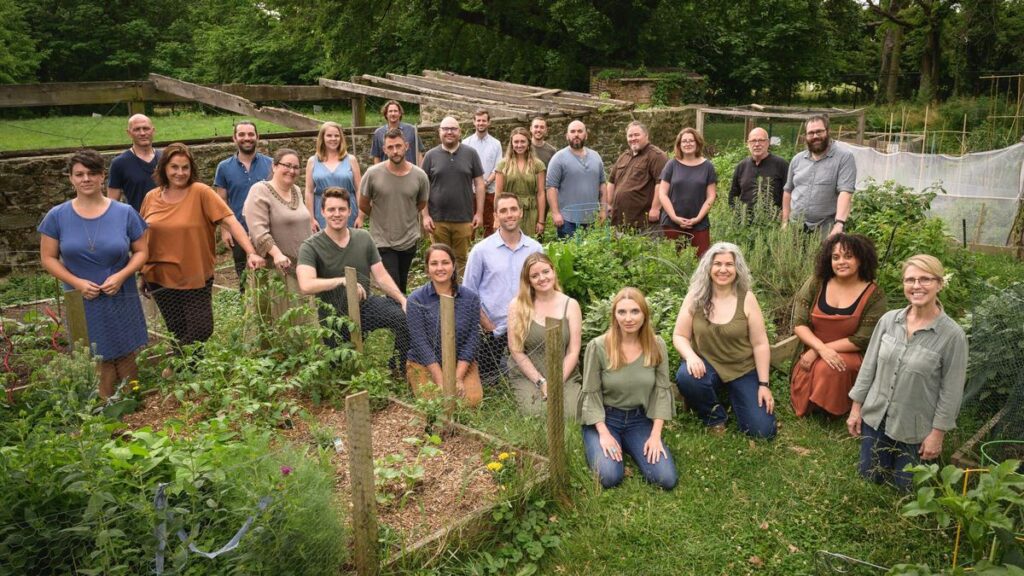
{"x": 91, "y": 238}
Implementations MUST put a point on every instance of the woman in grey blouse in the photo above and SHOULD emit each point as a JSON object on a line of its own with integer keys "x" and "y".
{"x": 627, "y": 396}
{"x": 908, "y": 393}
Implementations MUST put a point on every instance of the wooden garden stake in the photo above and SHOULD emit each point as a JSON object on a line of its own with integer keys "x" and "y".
{"x": 352, "y": 291}
{"x": 449, "y": 358}
{"x": 360, "y": 470}
{"x": 78, "y": 331}
{"x": 554, "y": 352}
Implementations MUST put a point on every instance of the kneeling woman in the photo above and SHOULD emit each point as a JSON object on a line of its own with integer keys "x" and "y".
{"x": 423, "y": 315}
{"x": 627, "y": 396}
{"x": 721, "y": 336}
{"x": 911, "y": 382}
{"x": 834, "y": 315}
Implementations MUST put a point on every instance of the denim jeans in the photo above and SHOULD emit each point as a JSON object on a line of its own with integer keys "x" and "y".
{"x": 702, "y": 395}
{"x": 568, "y": 229}
{"x": 631, "y": 429}
{"x": 882, "y": 459}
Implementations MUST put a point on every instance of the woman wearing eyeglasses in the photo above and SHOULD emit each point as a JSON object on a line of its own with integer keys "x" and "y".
{"x": 687, "y": 191}
{"x": 278, "y": 219}
{"x": 908, "y": 393}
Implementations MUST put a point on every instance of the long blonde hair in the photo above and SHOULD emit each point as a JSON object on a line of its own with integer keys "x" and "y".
{"x": 521, "y": 310}
{"x": 648, "y": 340}
{"x": 700, "y": 282}
{"x": 510, "y": 155}
{"x": 321, "y": 146}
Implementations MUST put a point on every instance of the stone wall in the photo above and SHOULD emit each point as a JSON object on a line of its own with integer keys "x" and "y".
{"x": 30, "y": 186}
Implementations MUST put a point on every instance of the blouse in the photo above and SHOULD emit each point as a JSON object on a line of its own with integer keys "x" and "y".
{"x": 423, "y": 317}
{"x": 631, "y": 386}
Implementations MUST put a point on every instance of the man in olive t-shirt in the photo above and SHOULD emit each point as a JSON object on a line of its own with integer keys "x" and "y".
{"x": 393, "y": 194}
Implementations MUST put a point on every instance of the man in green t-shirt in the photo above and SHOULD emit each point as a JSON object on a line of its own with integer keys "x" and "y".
{"x": 323, "y": 258}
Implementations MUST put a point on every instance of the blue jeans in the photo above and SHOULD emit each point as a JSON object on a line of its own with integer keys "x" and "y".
{"x": 568, "y": 229}
{"x": 883, "y": 459}
{"x": 631, "y": 429}
{"x": 702, "y": 396}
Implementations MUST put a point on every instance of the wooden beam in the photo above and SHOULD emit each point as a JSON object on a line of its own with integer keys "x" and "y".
{"x": 358, "y": 111}
{"x": 783, "y": 115}
{"x": 79, "y": 93}
{"x": 232, "y": 103}
{"x": 552, "y": 104}
{"x": 401, "y": 85}
{"x": 524, "y": 88}
{"x": 548, "y": 92}
{"x": 376, "y": 92}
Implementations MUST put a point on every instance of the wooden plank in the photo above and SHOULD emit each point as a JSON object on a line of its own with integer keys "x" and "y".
{"x": 449, "y": 357}
{"x": 576, "y": 104}
{"x": 232, "y": 103}
{"x": 557, "y": 468}
{"x": 360, "y": 470}
{"x": 784, "y": 351}
{"x": 77, "y": 328}
{"x": 352, "y": 293}
{"x": 358, "y": 111}
{"x": 781, "y": 115}
{"x": 960, "y": 457}
{"x": 376, "y": 92}
{"x": 524, "y": 88}
{"x": 430, "y": 85}
{"x": 548, "y": 92}
{"x": 476, "y": 101}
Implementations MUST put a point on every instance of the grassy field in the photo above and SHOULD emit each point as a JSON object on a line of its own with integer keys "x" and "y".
{"x": 69, "y": 131}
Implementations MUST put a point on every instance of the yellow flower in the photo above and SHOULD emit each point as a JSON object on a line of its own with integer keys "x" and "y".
{"x": 504, "y": 456}
{"x": 494, "y": 466}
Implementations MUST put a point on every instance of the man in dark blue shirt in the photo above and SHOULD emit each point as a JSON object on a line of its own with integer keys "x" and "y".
{"x": 234, "y": 176}
{"x": 131, "y": 173}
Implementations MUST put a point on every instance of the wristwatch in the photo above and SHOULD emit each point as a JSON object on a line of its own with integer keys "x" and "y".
{"x": 765, "y": 384}
{"x": 540, "y": 382}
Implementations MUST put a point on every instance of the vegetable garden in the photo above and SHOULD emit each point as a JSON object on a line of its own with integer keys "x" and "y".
{"x": 252, "y": 434}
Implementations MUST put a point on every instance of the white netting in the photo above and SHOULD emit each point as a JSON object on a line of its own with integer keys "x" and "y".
{"x": 984, "y": 188}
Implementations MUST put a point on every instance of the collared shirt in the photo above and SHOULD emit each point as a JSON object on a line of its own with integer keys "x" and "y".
{"x": 492, "y": 271}
{"x": 767, "y": 176}
{"x": 914, "y": 384}
{"x": 635, "y": 177}
{"x": 412, "y": 139}
{"x": 578, "y": 182}
{"x": 423, "y": 315}
{"x": 489, "y": 150}
{"x": 451, "y": 175}
{"x": 232, "y": 176}
{"x": 816, "y": 184}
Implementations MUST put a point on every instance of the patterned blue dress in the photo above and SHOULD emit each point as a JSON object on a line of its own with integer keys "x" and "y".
{"x": 93, "y": 249}
{"x": 324, "y": 178}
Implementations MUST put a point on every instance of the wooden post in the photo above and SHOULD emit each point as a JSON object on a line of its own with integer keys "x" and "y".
{"x": 554, "y": 352}
{"x": 860, "y": 128}
{"x": 352, "y": 291}
{"x": 359, "y": 111}
{"x": 449, "y": 356}
{"x": 136, "y": 107}
{"x": 749, "y": 123}
{"x": 360, "y": 470}
{"x": 700, "y": 122}
{"x": 78, "y": 331}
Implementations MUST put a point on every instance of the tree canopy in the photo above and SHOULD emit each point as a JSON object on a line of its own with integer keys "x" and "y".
{"x": 764, "y": 49}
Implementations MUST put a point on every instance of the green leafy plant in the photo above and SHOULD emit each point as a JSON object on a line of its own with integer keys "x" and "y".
{"x": 396, "y": 478}
{"x": 529, "y": 529}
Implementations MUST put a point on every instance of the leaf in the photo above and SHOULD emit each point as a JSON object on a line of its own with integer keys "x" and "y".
{"x": 756, "y": 561}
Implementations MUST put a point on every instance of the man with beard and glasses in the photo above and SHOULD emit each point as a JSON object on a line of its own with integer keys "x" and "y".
{"x": 235, "y": 175}
{"x": 577, "y": 194}
{"x": 820, "y": 184}
{"x": 633, "y": 178}
{"x": 393, "y": 195}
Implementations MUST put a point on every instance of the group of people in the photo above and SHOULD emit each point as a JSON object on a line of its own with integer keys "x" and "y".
{"x": 897, "y": 375}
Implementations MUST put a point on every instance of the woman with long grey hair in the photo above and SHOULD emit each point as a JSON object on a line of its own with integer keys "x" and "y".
{"x": 720, "y": 334}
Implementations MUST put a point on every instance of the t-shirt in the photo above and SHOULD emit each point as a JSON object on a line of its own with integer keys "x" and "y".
{"x": 769, "y": 176}
{"x": 545, "y": 152}
{"x": 394, "y": 199}
{"x": 578, "y": 181}
{"x": 635, "y": 177}
{"x": 688, "y": 190}
{"x": 451, "y": 174}
{"x": 232, "y": 176}
{"x": 181, "y": 239}
{"x": 411, "y": 138}
{"x": 132, "y": 176}
{"x": 274, "y": 222}
{"x": 330, "y": 261}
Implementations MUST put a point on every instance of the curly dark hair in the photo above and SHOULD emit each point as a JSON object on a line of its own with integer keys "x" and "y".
{"x": 862, "y": 248}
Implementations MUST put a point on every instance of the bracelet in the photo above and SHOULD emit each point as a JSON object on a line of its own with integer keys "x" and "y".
{"x": 765, "y": 384}
{"x": 540, "y": 382}
{"x": 843, "y": 222}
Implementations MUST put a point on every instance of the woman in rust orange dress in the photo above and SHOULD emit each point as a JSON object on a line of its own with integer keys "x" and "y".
{"x": 834, "y": 314}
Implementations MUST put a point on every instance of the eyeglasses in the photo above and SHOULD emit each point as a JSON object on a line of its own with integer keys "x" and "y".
{"x": 449, "y": 128}
{"x": 289, "y": 166}
{"x": 816, "y": 132}
{"x": 924, "y": 281}
{"x": 757, "y": 140}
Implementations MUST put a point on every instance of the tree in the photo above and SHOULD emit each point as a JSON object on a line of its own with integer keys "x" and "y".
{"x": 18, "y": 55}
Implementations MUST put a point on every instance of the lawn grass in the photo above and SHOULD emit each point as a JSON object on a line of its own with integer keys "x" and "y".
{"x": 70, "y": 131}
{"x": 741, "y": 507}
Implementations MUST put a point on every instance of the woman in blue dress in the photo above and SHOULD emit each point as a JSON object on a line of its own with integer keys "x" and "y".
{"x": 331, "y": 166}
{"x": 95, "y": 246}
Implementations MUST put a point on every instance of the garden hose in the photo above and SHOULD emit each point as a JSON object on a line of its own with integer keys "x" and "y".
{"x": 992, "y": 460}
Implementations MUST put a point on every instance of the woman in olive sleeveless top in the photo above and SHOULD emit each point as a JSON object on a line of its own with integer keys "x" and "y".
{"x": 721, "y": 336}
{"x": 540, "y": 297}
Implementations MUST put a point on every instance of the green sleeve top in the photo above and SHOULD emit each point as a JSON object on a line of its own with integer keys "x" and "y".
{"x": 876, "y": 306}
{"x": 631, "y": 386}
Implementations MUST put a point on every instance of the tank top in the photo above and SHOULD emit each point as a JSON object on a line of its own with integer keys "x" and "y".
{"x": 726, "y": 346}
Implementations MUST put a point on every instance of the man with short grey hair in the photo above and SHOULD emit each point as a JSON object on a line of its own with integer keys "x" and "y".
{"x": 760, "y": 174}
{"x": 821, "y": 181}
{"x": 577, "y": 194}
{"x": 131, "y": 173}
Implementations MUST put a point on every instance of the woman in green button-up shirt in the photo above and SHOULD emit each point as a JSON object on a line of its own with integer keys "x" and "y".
{"x": 908, "y": 393}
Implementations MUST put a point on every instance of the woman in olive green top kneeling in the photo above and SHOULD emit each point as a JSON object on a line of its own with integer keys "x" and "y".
{"x": 627, "y": 396}
{"x": 721, "y": 336}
